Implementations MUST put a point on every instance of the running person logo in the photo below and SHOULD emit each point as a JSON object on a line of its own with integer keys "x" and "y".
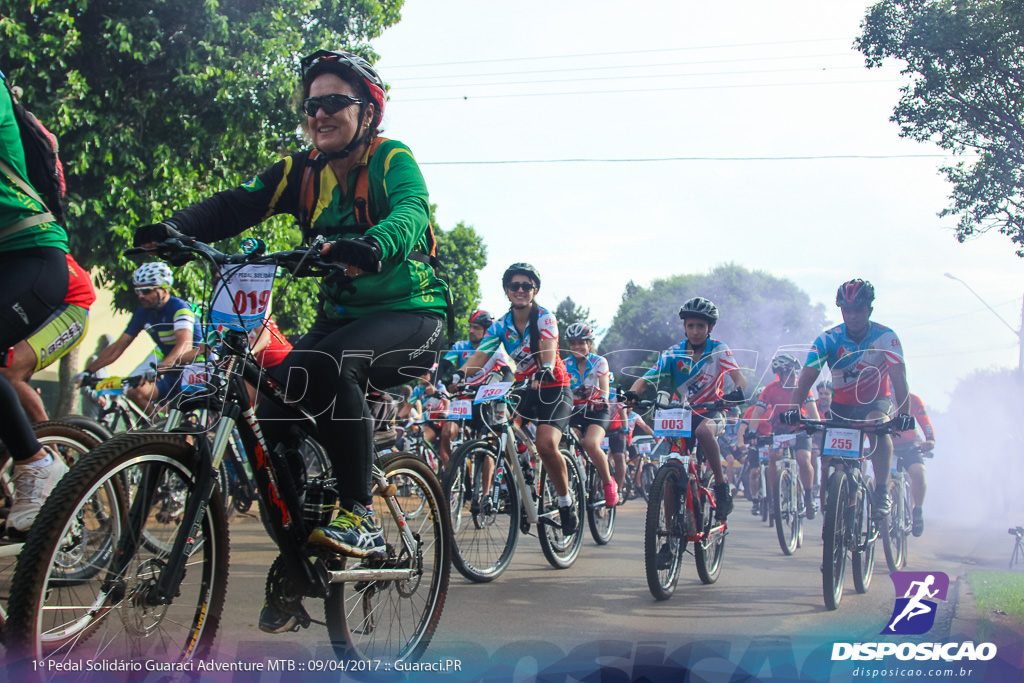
{"x": 916, "y": 606}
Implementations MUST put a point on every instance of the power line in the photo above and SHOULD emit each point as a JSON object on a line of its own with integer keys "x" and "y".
{"x": 621, "y": 66}
{"x": 624, "y": 52}
{"x": 641, "y": 90}
{"x": 633, "y": 78}
{"x": 821, "y": 157}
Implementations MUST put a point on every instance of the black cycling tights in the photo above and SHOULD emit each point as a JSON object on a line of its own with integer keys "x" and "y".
{"x": 334, "y": 365}
{"x": 33, "y": 282}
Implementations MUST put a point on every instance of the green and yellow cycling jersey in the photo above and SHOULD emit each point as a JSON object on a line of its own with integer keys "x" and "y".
{"x": 397, "y": 199}
{"x": 15, "y": 205}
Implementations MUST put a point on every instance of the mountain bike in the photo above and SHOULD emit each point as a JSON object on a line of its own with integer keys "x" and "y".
{"x": 788, "y": 496}
{"x": 498, "y": 489}
{"x": 761, "y": 489}
{"x": 640, "y": 470}
{"x": 848, "y": 527}
{"x": 681, "y": 509}
{"x": 163, "y": 600}
{"x": 600, "y": 517}
{"x": 70, "y": 443}
{"x": 901, "y": 513}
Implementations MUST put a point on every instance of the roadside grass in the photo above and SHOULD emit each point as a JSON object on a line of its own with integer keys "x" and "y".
{"x": 999, "y": 597}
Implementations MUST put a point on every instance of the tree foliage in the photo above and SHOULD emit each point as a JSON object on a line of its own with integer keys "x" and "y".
{"x": 462, "y": 253}
{"x": 159, "y": 103}
{"x": 760, "y": 314}
{"x": 568, "y": 312}
{"x": 966, "y": 63}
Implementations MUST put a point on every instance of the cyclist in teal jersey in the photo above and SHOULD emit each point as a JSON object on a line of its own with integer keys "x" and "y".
{"x": 865, "y": 359}
{"x": 33, "y": 284}
{"x": 695, "y": 369}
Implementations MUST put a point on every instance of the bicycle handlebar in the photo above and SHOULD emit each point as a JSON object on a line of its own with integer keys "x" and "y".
{"x": 299, "y": 262}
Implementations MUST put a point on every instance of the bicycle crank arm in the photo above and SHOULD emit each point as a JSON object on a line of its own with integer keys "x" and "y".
{"x": 348, "y": 575}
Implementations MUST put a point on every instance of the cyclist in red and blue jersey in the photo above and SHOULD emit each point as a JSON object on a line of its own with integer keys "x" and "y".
{"x": 695, "y": 369}
{"x": 589, "y": 382}
{"x": 771, "y": 403}
{"x": 171, "y": 324}
{"x": 865, "y": 359}
{"x": 909, "y": 447}
{"x": 548, "y": 401}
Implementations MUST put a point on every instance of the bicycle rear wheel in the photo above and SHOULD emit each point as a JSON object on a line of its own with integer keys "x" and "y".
{"x": 392, "y": 620}
{"x": 485, "y": 509}
{"x": 110, "y": 611}
{"x": 708, "y": 551}
{"x": 559, "y": 548}
{"x": 787, "y": 515}
{"x": 600, "y": 517}
{"x": 894, "y": 538}
{"x": 866, "y": 534}
{"x": 665, "y": 531}
{"x": 647, "y": 474}
{"x": 833, "y": 568}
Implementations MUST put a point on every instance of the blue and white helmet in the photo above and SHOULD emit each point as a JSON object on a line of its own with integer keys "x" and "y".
{"x": 153, "y": 274}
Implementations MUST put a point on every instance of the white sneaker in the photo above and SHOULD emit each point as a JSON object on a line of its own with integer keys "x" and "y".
{"x": 32, "y": 486}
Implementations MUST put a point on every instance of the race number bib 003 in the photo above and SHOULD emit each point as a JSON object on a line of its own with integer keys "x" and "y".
{"x": 842, "y": 443}
{"x": 195, "y": 377}
{"x": 491, "y": 392}
{"x": 243, "y": 294}
{"x": 784, "y": 440}
{"x": 672, "y": 422}
{"x": 460, "y": 410}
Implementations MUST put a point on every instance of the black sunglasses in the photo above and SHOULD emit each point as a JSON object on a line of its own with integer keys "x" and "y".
{"x": 144, "y": 291}
{"x": 520, "y": 286}
{"x": 331, "y": 104}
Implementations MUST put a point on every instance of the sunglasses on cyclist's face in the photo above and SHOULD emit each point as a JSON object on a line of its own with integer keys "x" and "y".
{"x": 331, "y": 104}
{"x": 145, "y": 291}
{"x": 520, "y": 286}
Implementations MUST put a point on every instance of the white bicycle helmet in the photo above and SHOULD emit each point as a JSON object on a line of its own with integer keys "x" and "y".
{"x": 153, "y": 274}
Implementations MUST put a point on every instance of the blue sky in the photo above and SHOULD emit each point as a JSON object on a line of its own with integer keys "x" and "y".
{"x": 764, "y": 142}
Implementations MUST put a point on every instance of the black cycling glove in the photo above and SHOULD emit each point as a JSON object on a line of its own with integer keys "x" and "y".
{"x": 904, "y": 422}
{"x": 157, "y": 232}
{"x": 790, "y": 417}
{"x": 734, "y": 396}
{"x": 362, "y": 252}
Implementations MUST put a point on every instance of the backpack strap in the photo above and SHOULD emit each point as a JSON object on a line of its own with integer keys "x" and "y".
{"x": 45, "y": 217}
{"x": 309, "y": 191}
{"x": 534, "y": 328}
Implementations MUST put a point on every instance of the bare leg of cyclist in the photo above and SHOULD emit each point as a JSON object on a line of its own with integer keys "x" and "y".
{"x": 548, "y": 438}
{"x": 619, "y": 463}
{"x": 881, "y": 460}
{"x": 21, "y": 366}
{"x": 707, "y": 436}
{"x": 592, "y": 445}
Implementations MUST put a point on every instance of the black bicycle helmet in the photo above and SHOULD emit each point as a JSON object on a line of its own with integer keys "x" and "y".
{"x": 699, "y": 307}
{"x": 347, "y": 65}
{"x": 481, "y": 317}
{"x": 579, "y": 331}
{"x": 520, "y": 269}
{"x": 783, "y": 362}
{"x": 855, "y": 292}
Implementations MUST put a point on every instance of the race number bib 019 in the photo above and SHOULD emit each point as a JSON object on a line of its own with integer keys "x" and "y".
{"x": 242, "y": 298}
{"x": 784, "y": 440}
{"x": 491, "y": 392}
{"x": 672, "y": 422}
{"x": 195, "y": 377}
{"x": 460, "y": 410}
{"x": 842, "y": 443}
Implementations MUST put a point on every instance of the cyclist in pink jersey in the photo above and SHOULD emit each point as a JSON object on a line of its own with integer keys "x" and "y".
{"x": 865, "y": 359}
{"x": 771, "y": 403}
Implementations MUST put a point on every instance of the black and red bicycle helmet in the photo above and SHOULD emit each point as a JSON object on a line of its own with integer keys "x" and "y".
{"x": 347, "y": 66}
{"x": 855, "y": 292}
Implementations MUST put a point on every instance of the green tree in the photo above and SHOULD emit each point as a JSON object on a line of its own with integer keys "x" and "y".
{"x": 568, "y": 312}
{"x": 760, "y": 314}
{"x": 157, "y": 104}
{"x": 966, "y": 95}
{"x": 462, "y": 253}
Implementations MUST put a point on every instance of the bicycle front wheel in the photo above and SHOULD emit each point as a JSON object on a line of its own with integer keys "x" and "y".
{"x": 708, "y": 551}
{"x": 112, "y": 611}
{"x": 389, "y": 620}
{"x": 647, "y": 474}
{"x": 833, "y": 568}
{"x": 787, "y": 514}
{"x": 600, "y": 517}
{"x": 559, "y": 548}
{"x": 665, "y": 531}
{"x": 484, "y": 501}
{"x": 864, "y": 540}
{"x": 894, "y": 537}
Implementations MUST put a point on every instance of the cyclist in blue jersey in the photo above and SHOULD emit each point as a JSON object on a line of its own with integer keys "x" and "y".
{"x": 589, "y": 382}
{"x": 695, "y": 369}
{"x": 865, "y": 359}
{"x": 548, "y": 401}
{"x": 171, "y": 324}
